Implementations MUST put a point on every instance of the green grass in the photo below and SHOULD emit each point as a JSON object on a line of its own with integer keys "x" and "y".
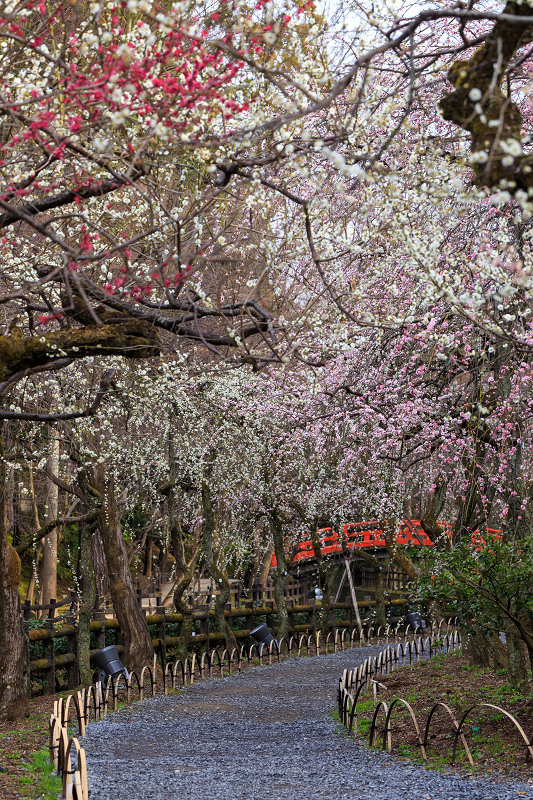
{"x": 364, "y": 720}
{"x": 41, "y": 772}
{"x": 405, "y": 750}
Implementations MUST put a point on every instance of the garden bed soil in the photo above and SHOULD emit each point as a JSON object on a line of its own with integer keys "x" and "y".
{"x": 495, "y": 743}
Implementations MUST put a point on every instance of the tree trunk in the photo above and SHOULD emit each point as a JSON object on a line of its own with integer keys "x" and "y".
{"x": 148, "y": 555}
{"x": 220, "y": 601}
{"x": 39, "y": 547}
{"x": 476, "y": 649}
{"x": 13, "y": 677}
{"x": 500, "y": 656}
{"x": 184, "y": 567}
{"x": 395, "y": 551}
{"x": 250, "y": 575}
{"x": 132, "y": 338}
{"x": 182, "y": 607}
{"x": 518, "y": 674}
{"x": 48, "y": 575}
{"x": 138, "y": 650}
{"x": 280, "y": 577}
{"x": 87, "y": 600}
{"x": 35, "y": 566}
{"x": 262, "y": 575}
{"x": 99, "y": 566}
{"x": 324, "y": 579}
{"x": 220, "y": 579}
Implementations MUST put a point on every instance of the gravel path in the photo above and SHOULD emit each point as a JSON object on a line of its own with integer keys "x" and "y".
{"x": 266, "y": 734}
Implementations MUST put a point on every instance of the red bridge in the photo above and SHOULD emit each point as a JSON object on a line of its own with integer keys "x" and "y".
{"x": 368, "y": 534}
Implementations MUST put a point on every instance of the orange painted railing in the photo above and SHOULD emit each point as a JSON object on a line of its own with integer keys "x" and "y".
{"x": 368, "y": 534}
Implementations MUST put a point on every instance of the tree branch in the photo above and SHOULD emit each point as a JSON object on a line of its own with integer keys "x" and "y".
{"x": 32, "y": 540}
{"x": 132, "y": 338}
{"x": 479, "y": 106}
{"x": 88, "y": 412}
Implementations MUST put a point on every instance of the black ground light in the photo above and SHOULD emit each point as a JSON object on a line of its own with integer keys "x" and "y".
{"x": 109, "y": 664}
{"x": 415, "y": 621}
{"x": 262, "y": 636}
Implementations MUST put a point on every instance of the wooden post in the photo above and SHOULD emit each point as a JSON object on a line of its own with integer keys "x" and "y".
{"x": 312, "y": 616}
{"x": 72, "y": 647}
{"x": 204, "y": 627}
{"x": 290, "y": 611}
{"x": 99, "y": 616}
{"x": 163, "y": 636}
{"x": 341, "y": 585}
{"x": 26, "y": 609}
{"x": 332, "y": 617}
{"x": 250, "y": 604}
{"x": 50, "y": 681}
{"x": 270, "y": 617}
{"x": 352, "y": 592}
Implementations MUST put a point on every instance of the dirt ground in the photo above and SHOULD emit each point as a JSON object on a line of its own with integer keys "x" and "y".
{"x": 18, "y": 741}
{"x": 495, "y": 743}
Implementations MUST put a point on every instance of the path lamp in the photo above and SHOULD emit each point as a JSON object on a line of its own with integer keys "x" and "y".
{"x": 415, "y": 621}
{"x": 263, "y": 637}
{"x": 109, "y": 664}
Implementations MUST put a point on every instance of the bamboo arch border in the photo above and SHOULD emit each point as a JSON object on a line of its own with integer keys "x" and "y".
{"x": 94, "y": 702}
{"x": 220, "y": 662}
{"x": 73, "y": 775}
{"x": 353, "y": 682}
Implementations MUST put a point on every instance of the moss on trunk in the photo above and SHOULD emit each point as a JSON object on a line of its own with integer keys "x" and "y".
{"x": 131, "y": 338}
{"x": 13, "y": 676}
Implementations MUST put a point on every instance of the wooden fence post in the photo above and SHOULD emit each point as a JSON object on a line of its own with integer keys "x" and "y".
{"x": 250, "y": 604}
{"x": 290, "y": 611}
{"x": 163, "y": 636}
{"x": 312, "y": 617}
{"x": 72, "y": 647}
{"x": 26, "y": 609}
{"x": 270, "y": 617}
{"x": 50, "y": 680}
{"x": 99, "y": 616}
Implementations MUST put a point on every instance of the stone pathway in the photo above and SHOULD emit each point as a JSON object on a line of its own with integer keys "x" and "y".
{"x": 266, "y": 734}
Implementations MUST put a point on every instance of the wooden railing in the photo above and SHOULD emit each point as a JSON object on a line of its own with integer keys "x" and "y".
{"x": 303, "y": 619}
